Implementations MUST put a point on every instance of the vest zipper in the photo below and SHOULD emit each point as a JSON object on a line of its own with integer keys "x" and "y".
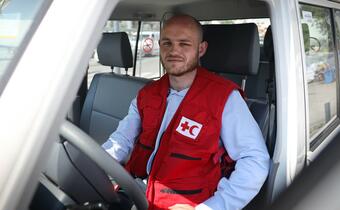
{"x": 160, "y": 139}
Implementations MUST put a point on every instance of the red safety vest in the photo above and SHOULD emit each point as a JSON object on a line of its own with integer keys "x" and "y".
{"x": 186, "y": 168}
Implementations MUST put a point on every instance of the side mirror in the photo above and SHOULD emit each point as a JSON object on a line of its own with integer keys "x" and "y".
{"x": 310, "y": 43}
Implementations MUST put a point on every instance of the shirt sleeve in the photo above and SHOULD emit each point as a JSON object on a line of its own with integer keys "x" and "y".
{"x": 121, "y": 142}
{"x": 244, "y": 143}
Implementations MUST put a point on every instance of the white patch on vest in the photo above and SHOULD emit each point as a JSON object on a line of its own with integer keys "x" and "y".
{"x": 189, "y": 128}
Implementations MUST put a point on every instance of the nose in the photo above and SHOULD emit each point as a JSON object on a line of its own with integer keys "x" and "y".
{"x": 174, "y": 49}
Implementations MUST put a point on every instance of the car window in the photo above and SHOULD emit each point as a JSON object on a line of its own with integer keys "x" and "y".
{"x": 320, "y": 71}
{"x": 16, "y": 21}
{"x": 148, "y": 60}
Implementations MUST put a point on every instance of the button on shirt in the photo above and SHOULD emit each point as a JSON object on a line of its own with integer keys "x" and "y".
{"x": 240, "y": 135}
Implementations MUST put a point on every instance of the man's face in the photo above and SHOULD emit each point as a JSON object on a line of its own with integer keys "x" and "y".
{"x": 180, "y": 48}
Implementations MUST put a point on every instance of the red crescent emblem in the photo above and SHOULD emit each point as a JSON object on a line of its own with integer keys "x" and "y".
{"x": 192, "y": 129}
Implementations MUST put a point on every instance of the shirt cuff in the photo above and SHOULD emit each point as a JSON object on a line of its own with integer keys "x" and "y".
{"x": 213, "y": 203}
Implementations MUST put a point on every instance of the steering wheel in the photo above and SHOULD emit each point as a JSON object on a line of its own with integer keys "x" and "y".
{"x": 89, "y": 147}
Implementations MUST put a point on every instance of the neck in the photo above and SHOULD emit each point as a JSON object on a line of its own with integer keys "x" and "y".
{"x": 181, "y": 82}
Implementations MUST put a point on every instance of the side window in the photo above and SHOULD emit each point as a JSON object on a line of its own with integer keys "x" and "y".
{"x": 320, "y": 71}
{"x": 148, "y": 63}
{"x": 18, "y": 21}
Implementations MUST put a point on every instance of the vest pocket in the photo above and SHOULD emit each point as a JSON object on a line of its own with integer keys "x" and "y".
{"x": 140, "y": 156}
{"x": 177, "y": 165}
{"x": 171, "y": 193}
{"x": 144, "y": 146}
{"x": 181, "y": 192}
{"x": 184, "y": 157}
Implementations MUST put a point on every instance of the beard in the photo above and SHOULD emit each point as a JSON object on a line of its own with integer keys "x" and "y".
{"x": 177, "y": 71}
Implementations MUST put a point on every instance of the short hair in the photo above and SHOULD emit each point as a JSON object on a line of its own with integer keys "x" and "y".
{"x": 198, "y": 25}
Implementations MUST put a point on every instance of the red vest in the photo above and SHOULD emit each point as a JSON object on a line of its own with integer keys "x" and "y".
{"x": 186, "y": 167}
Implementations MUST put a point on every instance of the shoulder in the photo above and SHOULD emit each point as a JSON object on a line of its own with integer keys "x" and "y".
{"x": 155, "y": 85}
{"x": 153, "y": 93}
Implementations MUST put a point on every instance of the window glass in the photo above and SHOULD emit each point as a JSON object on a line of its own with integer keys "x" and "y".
{"x": 262, "y": 24}
{"x": 148, "y": 63}
{"x": 16, "y": 18}
{"x": 320, "y": 67}
{"x": 337, "y": 29}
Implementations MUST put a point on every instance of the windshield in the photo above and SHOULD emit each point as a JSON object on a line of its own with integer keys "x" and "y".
{"x": 16, "y": 28}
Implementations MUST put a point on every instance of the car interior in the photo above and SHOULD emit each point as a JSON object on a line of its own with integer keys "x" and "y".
{"x": 73, "y": 180}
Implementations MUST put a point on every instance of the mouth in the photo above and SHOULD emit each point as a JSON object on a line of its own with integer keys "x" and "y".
{"x": 172, "y": 59}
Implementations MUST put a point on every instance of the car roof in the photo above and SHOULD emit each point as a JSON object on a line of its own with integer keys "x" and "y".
{"x": 156, "y": 10}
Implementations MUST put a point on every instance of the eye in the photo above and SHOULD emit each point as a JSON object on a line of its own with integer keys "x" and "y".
{"x": 166, "y": 43}
{"x": 184, "y": 44}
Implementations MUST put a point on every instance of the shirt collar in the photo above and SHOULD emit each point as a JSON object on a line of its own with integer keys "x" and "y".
{"x": 181, "y": 93}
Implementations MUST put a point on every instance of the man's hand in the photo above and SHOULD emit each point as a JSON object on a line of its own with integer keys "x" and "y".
{"x": 181, "y": 207}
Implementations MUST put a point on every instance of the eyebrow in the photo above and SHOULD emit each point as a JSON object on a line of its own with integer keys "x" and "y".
{"x": 165, "y": 39}
{"x": 180, "y": 40}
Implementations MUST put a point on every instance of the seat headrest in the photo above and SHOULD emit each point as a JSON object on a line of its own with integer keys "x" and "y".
{"x": 114, "y": 50}
{"x": 232, "y": 48}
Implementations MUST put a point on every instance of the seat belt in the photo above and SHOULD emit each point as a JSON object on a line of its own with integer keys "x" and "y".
{"x": 272, "y": 108}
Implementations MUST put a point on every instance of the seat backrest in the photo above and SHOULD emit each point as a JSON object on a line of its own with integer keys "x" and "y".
{"x": 258, "y": 85}
{"x": 232, "y": 48}
{"x": 235, "y": 49}
{"x": 110, "y": 94}
{"x": 107, "y": 103}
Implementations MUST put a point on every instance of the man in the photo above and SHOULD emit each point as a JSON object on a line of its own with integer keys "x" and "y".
{"x": 181, "y": 122}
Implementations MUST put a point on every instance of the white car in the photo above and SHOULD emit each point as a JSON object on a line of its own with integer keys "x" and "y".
{"x": 43, "y": 83}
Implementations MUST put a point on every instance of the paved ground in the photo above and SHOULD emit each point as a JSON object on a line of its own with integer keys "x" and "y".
{"x": 321, "y": 97}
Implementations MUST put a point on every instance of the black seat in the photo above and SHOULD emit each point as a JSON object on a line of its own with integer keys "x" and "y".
{"x": 260, "y": 84}
{"x": 110, "y": 94}
{"x": 235, "y": 50}
{"x": 106, "y": 103}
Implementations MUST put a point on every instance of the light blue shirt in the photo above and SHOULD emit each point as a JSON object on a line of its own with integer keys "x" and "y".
{"x": 240, "y": 135}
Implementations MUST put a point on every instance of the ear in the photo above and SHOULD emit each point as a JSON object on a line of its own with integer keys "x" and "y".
{"x": 202, "y": 48}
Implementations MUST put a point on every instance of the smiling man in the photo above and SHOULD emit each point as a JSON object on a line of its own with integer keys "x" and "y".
{"x": 184, "y": 128}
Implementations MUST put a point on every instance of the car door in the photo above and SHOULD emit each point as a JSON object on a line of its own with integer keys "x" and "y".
{"x": 42, "y": 85}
